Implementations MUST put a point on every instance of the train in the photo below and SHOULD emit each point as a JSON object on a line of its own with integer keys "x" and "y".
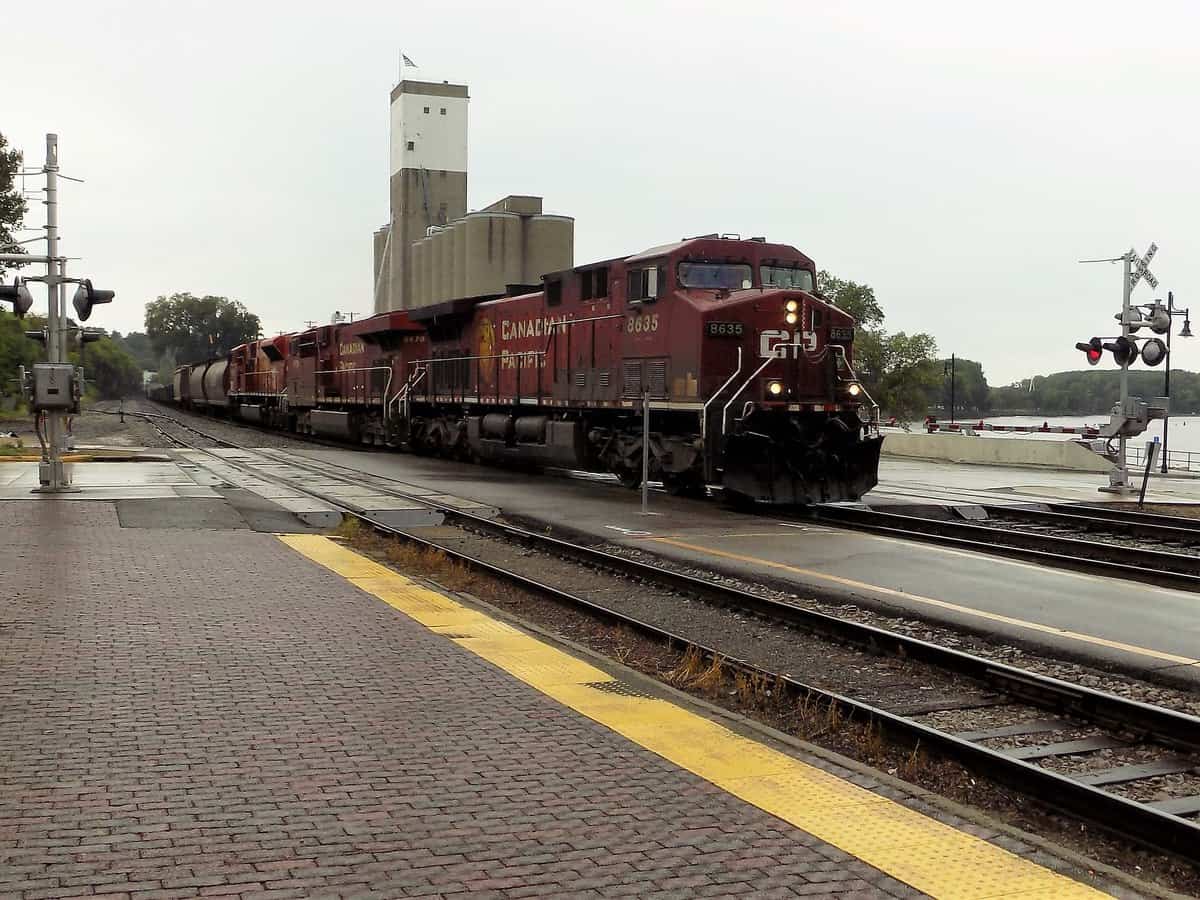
{"x": 715, "y": 352}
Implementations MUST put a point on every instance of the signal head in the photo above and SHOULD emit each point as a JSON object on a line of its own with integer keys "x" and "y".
{"x": 1094, "y": 349}
{"x": 1160, "y": 319}
{"x": 87, "y": 296}
{"x": 1154, "y": 352}
{"x": 18, "y": 295}
{"x": 1124, "y": 351}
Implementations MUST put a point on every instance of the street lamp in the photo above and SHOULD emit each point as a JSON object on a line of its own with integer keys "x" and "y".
{"x": 948, "y": 368}
{"x": 1185, "y": 332}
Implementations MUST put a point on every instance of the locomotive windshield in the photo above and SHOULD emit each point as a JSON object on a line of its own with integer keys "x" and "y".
{"x": 787, "y": 277}
{"x": 719, "y": 276}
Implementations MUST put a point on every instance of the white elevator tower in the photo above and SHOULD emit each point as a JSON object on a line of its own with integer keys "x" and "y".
{"x": 428, "y": 169}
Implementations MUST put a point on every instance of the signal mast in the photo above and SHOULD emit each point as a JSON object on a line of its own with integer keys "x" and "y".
{"x": 55, "y": 386}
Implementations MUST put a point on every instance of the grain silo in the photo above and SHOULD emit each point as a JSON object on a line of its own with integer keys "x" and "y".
{"x": 459, "y": 275}
{"x": 419, "y": 257}
{"x": 493, "y": 252}
{"x": 549, "y": 246}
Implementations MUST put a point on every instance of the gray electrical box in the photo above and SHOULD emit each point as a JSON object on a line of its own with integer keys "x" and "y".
{"x": 53, "y": 386}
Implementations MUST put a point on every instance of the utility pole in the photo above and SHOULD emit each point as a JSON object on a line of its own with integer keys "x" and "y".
{"x": 1123, "y": 467}
{"x": 952, "y": 374}
{"x": 1186, "y": 332}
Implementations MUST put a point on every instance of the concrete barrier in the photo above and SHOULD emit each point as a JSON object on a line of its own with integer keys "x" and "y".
{"x": 984, "y": 451}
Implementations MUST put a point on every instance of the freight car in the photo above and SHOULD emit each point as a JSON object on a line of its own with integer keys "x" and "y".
{"x": 747, "y": 374}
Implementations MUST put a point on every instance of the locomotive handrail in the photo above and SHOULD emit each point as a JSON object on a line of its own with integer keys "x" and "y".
{"x": 386, "y": 387}
{"x": 407, "y": 388}
{"x": 746, "y": 384}
{"x": 442, "y": 359}
{"x": 719, "y": 391}
{"x": 837, "y": 348}
{"x": 515, "y": 354}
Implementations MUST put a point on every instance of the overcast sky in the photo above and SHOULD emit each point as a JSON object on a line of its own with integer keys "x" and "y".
{"x": 959, "y": 160}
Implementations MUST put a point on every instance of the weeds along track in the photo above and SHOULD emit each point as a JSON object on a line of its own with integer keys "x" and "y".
{"x": 1130, "y": 768}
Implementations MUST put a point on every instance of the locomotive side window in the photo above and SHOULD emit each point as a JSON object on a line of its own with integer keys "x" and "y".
{"x": 593, "y": 284}
{"x": 787, "y": 277}
{"x": 553, "y": 291}
{"x": 718, "y": 276}
{"x": 643, "y": 284}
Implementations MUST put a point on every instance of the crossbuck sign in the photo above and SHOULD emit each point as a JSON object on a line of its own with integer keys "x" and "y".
{"x": 1141, "y": 268}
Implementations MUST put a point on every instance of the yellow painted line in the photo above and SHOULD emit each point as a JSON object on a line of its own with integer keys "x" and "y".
{"x": 907, "y": 845}
{"x": 940, "y": 604}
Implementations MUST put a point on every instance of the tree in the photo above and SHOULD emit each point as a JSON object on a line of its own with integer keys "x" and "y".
{"x": 12, "y": 204}
{"x": 16, "y": 350}
{"x": 139, "y": 347}
{"x": 898, "y": 370}
{"x": 856, "y": 299}
{"x": 110, "y": 369}
{"x": 911, "y": 373}
{"x": 197, "y": 328}
{"x": 972, "y": 396}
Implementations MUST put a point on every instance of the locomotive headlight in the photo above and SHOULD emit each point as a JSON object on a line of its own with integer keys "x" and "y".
{"x": 775, "y": 388}
{"x": 792, "y": 306}
{"x": 855, "y": 389}
{"x": 790, "y": 318}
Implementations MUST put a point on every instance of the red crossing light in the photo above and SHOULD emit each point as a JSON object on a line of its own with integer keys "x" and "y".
{"x": 1093, "y": 348}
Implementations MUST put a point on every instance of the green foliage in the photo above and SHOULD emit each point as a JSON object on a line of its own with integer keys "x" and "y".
{"x": 197, "y": 328}
{"x": 899, "y": 370}
{"x": 109, "y": 369}
{"x": 910, "y": 374}
{"x": 1093, "y": 392}
{"x": 856, "y": 299}
{"x": 140, "y": 347}
{"x": 12, "y": 204}
{"x": 972, "y": 396}
{"x": 16, "y": 350}
{"x": 166, "y": 368}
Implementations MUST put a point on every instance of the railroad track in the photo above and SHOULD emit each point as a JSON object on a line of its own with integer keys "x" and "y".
{"x": 1081, "y": 751}
{"x": 1166, "y": 553}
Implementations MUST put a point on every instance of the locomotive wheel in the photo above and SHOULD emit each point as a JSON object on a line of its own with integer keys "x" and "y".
{"x": 630, "y": 478}
{"x": 683, "y": 485}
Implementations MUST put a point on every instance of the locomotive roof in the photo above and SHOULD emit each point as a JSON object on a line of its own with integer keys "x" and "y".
{"x": 711, "y": 244}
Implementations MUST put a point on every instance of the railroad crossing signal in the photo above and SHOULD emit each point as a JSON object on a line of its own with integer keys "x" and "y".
{"x": 1154, "y": 352}
{"x": 1124, "y": 350}
{"x": 87, "y": 296}
{"x": 1093, "y": 348}
{"x": 18, "y": 295}
{"x": 1141, "y": 267}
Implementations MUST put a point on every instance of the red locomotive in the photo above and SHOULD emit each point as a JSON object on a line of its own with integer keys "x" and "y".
{"x": 748, "y": 376}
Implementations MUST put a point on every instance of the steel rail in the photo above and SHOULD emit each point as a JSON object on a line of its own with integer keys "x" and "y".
{"x": 1120, "y": 516}
{"x": 1089, "y": 521}
{"x": 1137, "y": 822}
{"x": 1173, "y": 570}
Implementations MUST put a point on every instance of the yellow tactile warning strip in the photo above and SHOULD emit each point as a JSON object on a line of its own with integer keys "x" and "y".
{"x": 941, "y": 604}
{"x": 911, "y": 847}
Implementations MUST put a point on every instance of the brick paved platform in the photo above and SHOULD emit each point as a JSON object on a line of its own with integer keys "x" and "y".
{"x": 190, "y": 712}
